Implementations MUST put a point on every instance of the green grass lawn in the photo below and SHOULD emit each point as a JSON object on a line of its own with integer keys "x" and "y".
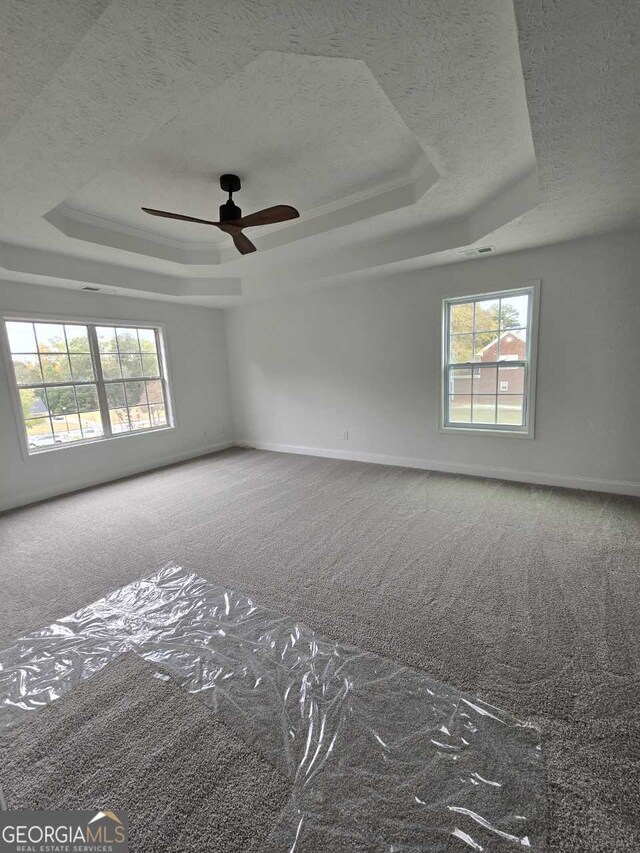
{"x": 484, "y": 414}
{"x": 68, "y": 429}
{"x": 40, "y": 426}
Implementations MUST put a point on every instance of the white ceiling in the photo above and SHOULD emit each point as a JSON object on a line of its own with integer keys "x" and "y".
{"x": 408, "y": 123}
{"x": 301, "y": 130}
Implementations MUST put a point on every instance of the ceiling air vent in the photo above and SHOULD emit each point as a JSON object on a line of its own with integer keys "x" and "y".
{"x": 480, "y": 250}
{"x": 90, "y": 288}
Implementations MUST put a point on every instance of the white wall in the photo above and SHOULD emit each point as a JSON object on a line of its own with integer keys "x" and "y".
{"x": 365, "y": 357}
{"x": 198, "y": 369}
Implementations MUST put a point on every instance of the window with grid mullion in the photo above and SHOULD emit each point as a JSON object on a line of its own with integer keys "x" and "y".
{"x": 486, "y": 361}
{"x": 131, "y": 408}
{"x": 63, "y": 373}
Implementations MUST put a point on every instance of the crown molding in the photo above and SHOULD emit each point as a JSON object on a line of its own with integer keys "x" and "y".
{"x": 393, "y": 195}
{"x": 264, "y": 279}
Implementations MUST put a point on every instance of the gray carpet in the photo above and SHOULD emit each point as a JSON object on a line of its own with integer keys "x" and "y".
{"x": 125, "y": 740}
{"x": 526, "y": 595}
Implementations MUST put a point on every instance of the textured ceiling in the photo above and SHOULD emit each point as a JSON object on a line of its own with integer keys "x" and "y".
{"x": 105, "y": 106}
{"x": 581, "y": 63}
{"x": 52, "y": 29}
{"x": 301, "y": 130}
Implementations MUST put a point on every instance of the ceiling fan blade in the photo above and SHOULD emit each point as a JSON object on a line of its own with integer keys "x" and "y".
{"x": 268, "y": 216}
{"x": 242, "y": 242}
{"x": 168, "y": 215}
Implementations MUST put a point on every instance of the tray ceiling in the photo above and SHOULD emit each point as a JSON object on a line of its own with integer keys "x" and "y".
{"x": 312, "y": 131}
{"x": 407, "y": 124}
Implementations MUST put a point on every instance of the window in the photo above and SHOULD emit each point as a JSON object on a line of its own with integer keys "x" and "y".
{"x": 487, "y": 362}
{"x": 79, "y": 382}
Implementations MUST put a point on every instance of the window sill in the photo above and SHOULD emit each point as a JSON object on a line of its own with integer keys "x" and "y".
{"x": 502, "y": 433}
{"x": 67, "y": 445}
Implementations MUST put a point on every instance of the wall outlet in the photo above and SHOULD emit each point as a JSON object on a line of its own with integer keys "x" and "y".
{"x": 345, "y": 435}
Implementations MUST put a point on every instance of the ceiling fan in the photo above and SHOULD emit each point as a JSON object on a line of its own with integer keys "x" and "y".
{"x": 231, "y": 219}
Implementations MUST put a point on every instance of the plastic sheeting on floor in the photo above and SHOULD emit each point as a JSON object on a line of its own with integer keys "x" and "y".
{"x": 381, "y": 757}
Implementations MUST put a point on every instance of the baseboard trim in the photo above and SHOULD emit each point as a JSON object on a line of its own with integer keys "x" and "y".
{"x": 172, "y": 459}
{"x": 618, "y": 487}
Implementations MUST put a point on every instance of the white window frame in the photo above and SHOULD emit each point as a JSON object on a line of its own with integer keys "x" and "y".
{"x": 162, "y": 348}
{"x": 529, "y": 364}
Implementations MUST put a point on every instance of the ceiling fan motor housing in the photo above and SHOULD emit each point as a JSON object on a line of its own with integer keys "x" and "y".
{"x": 229, "y": 211}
